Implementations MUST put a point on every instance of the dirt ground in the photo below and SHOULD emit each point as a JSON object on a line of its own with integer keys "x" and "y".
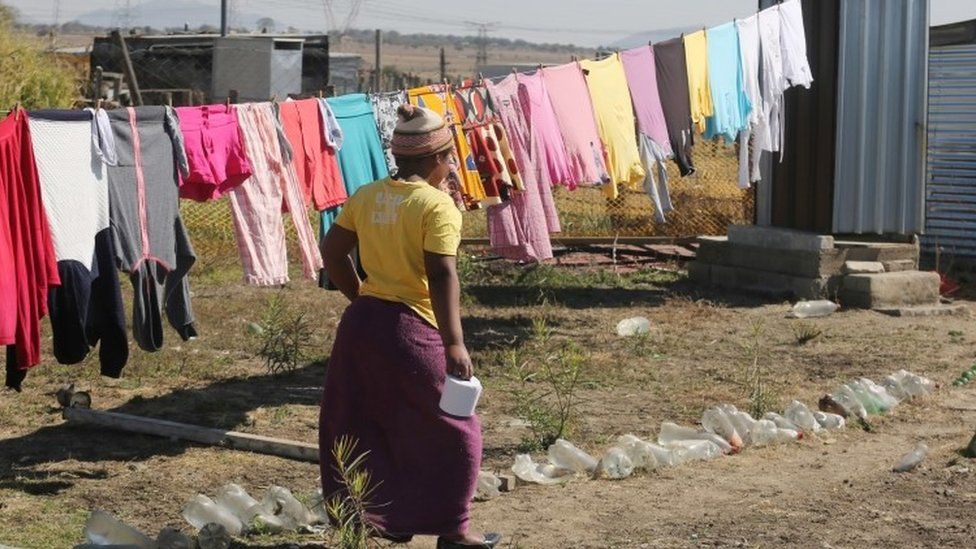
{"x": 830, "y": 491}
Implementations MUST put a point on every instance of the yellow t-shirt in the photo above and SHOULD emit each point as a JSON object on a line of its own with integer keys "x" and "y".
{"x": 614, "y": 112}
{"x": 396, "y": 222}
{"x": 699, "y": 89}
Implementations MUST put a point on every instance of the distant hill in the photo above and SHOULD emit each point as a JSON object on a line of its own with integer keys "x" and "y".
{"x": 169, "y": 14}
{"x": 643, "y": 38}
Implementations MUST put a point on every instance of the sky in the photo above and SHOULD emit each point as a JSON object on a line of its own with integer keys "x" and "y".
{"x": 581, "y": 22}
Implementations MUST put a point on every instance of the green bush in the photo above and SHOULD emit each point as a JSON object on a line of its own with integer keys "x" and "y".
{"x": 28, "y": 73}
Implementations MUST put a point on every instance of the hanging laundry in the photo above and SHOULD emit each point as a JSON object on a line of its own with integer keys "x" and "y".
{"x": 519, "y": 229}
{"x": 699, "y": 89}
{"x": 774, "y": 83}
{"x": 485, "y": 136}
{"x": 749, "y": 51}
{"x": 730, "y": 103}
{"x": 28, "y": 266}
{"x": 548, "y": 150}
{"x": 385, "y": 107}
{"x": 796, "y": 66}
{"x": 313, "y": 159}
{"x": 333, "y": 131}
{"x": 654, "y": 145}
{"x": 214, "y": 152}
{"x": 256, "y": 205}
{"x": 150, "y": 238}
{"x": 672, "y": 83}
{"x": 361, "y": 159}
{"x": 72, "y": 150}
{"x": 614, "y": 112}
{"x": 464, "y": 183}
{"x": 574, "y": 112}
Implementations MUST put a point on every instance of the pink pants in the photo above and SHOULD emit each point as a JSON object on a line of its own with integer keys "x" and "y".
{"x": 256, "y": 204}
{"x": 214, "y": 151}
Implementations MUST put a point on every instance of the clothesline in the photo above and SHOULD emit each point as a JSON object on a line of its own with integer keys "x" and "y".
{"x": 89, "y": 193}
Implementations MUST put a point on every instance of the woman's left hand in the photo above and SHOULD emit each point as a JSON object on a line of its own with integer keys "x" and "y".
{"x": 458, "y": 361}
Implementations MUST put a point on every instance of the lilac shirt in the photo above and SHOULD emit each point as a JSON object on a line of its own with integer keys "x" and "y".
{"x": 642, "y": 80}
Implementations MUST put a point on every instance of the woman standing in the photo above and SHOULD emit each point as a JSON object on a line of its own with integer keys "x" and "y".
{"x": 396, "y": 342}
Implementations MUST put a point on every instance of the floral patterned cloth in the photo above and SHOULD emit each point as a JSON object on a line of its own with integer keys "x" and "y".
{"x": 385, "y": 107}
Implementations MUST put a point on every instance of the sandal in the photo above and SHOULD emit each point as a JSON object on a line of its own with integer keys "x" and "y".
{"x": 491, "y": 540}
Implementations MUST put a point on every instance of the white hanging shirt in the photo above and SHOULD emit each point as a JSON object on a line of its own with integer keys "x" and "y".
{"x": 796, "y": 67}
{"x": 773, "y": 82}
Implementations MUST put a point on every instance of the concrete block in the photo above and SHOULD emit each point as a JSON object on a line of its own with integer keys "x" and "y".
{"x": 713, "y": 251}
{"x": 700, "y": 272}
{"x": 779, "y": 239}
{"x": 790, "y": 262}
{"x": 863, "y": 267}
{"x": 878, "y": 251}
{"x": 899, "y": 265}
{"x": 774, "y": 284}
{"x": 890, "y": 290}
{"x": 928, "y": 310}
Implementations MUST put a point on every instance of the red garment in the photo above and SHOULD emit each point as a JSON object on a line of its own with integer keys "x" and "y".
{"x": 315, "y": 161}
{"x": 25, "y": 242}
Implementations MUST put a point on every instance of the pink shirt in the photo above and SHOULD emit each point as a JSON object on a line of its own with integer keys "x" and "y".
{"x": 574, "y": 111}
{"x": 547, "y": 147}
{"x": 641, "y": 72}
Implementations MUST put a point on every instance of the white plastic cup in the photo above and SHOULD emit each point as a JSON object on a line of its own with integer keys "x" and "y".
{"x": 460, "y": 396}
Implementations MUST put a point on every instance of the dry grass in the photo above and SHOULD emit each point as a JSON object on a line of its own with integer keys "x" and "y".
{"x": 30, "y": 75}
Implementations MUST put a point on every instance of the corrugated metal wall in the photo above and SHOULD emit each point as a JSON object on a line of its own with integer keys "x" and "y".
{"x": 882, "y": 74}
{"x": 950, "y": 200}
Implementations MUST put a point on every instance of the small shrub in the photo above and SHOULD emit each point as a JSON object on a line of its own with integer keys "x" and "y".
{"x": 761, "y": 397}
{"x": 804, "y": 332}
{"x": 348, "y": 511}
{"x": 283, "y": 337}
{"x": 30, "y": 75}
{"x": 545, "y": 392}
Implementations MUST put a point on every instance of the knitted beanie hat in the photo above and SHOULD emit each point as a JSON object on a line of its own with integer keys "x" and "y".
{"x": 419, "y": 132}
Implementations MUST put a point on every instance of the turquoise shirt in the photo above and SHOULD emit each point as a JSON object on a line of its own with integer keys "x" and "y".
{"x": 361, "y": 158}
{"x": 729, "y": 99}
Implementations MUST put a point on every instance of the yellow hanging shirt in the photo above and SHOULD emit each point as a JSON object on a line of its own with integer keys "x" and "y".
{"x": 396, "y": 222}
{"x": 699, "y": 90}
{"x": 614, "y": 112}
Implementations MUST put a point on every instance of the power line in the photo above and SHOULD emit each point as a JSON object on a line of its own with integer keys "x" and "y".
{"x": 481, "y": 59}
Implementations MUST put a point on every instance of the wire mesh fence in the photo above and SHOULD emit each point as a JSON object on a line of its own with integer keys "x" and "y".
{"x": 705, "y": 203}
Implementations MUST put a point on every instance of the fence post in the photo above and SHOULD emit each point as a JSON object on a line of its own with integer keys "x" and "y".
{"x": 130, "y": 72}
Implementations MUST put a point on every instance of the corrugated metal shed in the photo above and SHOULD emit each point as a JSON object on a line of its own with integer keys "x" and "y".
{"x": 951, "y": 175}
{"x": 882, "y": 69}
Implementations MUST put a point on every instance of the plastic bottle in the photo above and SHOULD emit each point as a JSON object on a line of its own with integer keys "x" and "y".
{"x": 715, "y": 420}
{"x": 798, "y": 414}
{"x": 813, "y": 309}
{"x": 870, "y": 402}
{"x": 742, "y": 421}
{"x": 765, "y": 432}
{"x": 911, "y": 460}
{"x": 829, "y": 421}
{"x": 846, "y": 398}
{"x": 280, "y": 503}
{"x": 895, "y": 388}
{"x": 317, "y": 506}
{"x": 672, "y": 433}
{"x": 639, "y": 451}
{"x": 236, "y": 500}
{"x": 488, "y": 485}
{"x": 879, "y": 392}
{"x": 102, "y": 528}
{"x": 780, "y": 421}
{"x": 914, "y": 385}
{"x": 527, "y": 470}
{"x": 566, "y": 456}
{"x": 696, "y": 450}
{"x": 633, "y": 326}
{"x": 616, "y": 465}
{"x": 201, "y": 510}
{"x": 666, "y": 457}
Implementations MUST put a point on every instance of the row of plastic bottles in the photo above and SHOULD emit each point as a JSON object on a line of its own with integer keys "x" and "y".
{"x": 863, "y": 397}
{"x": 238, "y": 512}
{"x": 726, "y": 430}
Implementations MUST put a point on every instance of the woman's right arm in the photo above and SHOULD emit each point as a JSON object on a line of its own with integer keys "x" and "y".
{"x": 336, "y": 247}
